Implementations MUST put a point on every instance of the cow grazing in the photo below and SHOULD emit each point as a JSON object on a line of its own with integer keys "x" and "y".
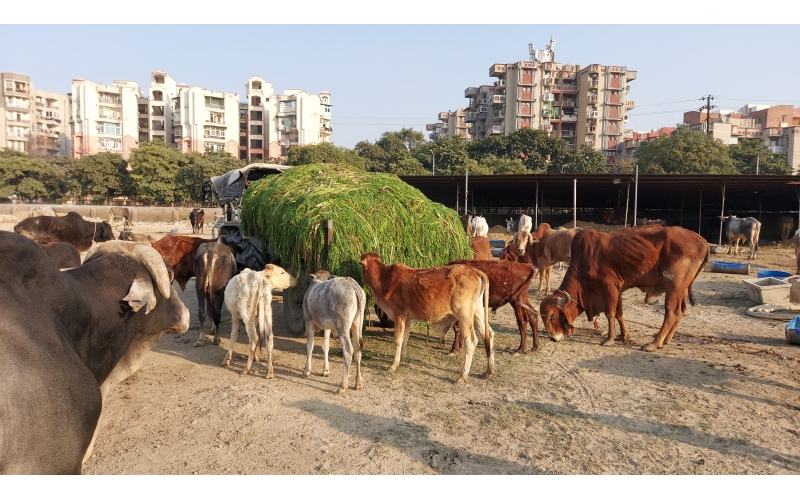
{"x": 508, "y": 284}
{"x": 37, "y": 211}
{"x": 64, "y": 255}
{"x": 214, "y": 266}
{"x": 248, "y": 296}
{"x": 786, "y": 224}
{"x": 441, "y": 295}
{"x": 510, "y": 225}
{"x": 70, "y": 336}
{"x": 745, "y": 230}
{"x": 335, "y": 304}
{"x": 121, "y": 213}
{"x": 197, "y": 218}
{"x": 654, "y": 259}
{"x": 553, "y": 248}
{"x": 796, "y": 245}
{"x": 179, "y": 252}
{"x": 481, "y": 248}
{"x": 127, "y": 235}
{"x": 71, "y": 228}
{"x": 480, "y": 227}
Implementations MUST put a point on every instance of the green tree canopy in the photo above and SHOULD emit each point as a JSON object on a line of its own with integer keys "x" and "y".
{"x": 503, "y": 166}
{"x": 451, "y": 155}
{"x": 323, "y": 153}
{"x": 29, "y": 178}
{"x": 99, "y": 175}
{"x": 687, "y": 152}
{"x": 155, "y": 166}
{"x": 586, "y": 161}
{"x": 198, "y": 168}
{"x": 748, "y": 151}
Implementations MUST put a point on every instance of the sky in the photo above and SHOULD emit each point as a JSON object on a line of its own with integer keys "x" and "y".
{"x": 385, "y": 77}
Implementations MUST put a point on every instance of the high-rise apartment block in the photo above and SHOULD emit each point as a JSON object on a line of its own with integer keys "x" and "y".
{"x": 451, "y": 124}
{"x": 582, "y": 105}
{"x": 32, "y": 120}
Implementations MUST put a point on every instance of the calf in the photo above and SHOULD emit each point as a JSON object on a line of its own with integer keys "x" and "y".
{"x": 441, "y": 295}
{"x": 248, "y": 296}
{"x": 64, "y": 255}
{"x": 121, "y": 213}
{"x": 127, "y": 235}
{"x": 510, "y": 226}
{"x": 480, "y": 227}
{"x": 786, "y": 224}
{"x": 197, "y": 219}
{"x": 214, "y": 266}
{"x": 508, "y": 284}
{"x": 481, "y": 248}
{"x": 335, "y": 304}
{"x": 37, "y": 211}
{"x": 746, "y": 230}
{"x": 552, "y": 248}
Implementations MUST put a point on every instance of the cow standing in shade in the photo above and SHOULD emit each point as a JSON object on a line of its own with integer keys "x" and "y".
{"x": 197, "y": 218}
{"x": 214, "y": 266}
{"x": 335, "y": 304}
{"x": 785, "y": 225}
{"x": 745, "y": 230}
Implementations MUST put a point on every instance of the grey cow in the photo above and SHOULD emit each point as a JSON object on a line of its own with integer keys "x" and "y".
{"x": 335, "y": 303}
{"x": 746, "y": 230}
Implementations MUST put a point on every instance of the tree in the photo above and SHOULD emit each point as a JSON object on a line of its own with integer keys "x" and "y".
{"x": 687, "y": 152}
{"x": 28, "y": 178}
{"x": 155, "y": 165}
{"x": 745, "y": 154}
{"x": 99, "y": 175}
{"x": 323, "y": 153}
{"x": 407, "y": 138}
{"x": 374, "y": 156}
{"x": 451, "y": 155}
{"x": 492, "y": 145}
{"x": 199, "y": 168}
{"x": 503, "y": 166}
{"x": 586, "y": 161}
{"x": 534, "y": 147}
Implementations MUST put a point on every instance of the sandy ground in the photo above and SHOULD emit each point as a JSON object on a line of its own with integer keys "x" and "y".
{"x": 723, "y": 398}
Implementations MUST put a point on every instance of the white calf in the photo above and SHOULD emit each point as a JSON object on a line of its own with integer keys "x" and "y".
{"x": 480, "y": 227}
{"x": 510, "y": 225}
{"x": 248, "y": 296}
{"x": 335, "y": 303}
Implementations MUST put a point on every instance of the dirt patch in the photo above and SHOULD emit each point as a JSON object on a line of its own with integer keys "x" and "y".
{"x": 723, "y": 398}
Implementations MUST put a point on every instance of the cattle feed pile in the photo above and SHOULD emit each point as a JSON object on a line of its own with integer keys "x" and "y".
{"x": 371, "y": 212}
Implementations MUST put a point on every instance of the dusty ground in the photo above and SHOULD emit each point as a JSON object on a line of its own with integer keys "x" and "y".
{"x": 723, "y": 398}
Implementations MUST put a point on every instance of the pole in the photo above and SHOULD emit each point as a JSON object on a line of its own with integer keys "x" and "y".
{"x": 574, "y": 203}
{"x": 536, "y": 211}
{"x": 458, "y": 194}
{"x": 758, "y": 155}
{"x": 708, "y": 114}
{"x": 627, "y": 202}
{"x": 700, "y": 214}
{"x": 681, "y": 222}
{"x": 636, "y": 195}
{"x": 466, "y": 194}
{"x": 723, "y": 213}
{"x": 434, "y": 163}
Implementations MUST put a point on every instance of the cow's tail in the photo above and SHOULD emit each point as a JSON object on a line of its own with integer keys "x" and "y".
{"x": 208, "y": 283}
{"x": 360, "y": 302}
{"x": 699, "y": 270}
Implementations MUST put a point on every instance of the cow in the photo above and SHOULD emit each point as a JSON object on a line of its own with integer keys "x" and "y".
{"x": 64, "y": 255}
{"x": 335, "y": 304}
{"x": 786, "y": 224}
{"x": 248, "y": 296}
{"x": 127, "y": 235}
{"x": 481, "y": 248}
{"x": 440, "y": 295}
{"x": 553, "y": 248}
{"x": 653, "y": 259}
{"x": 197, "y": 219}
{"x": 508, "y": 284}
{"x": 179, "y": 252}
{"x": 745, "y": 230}
{"x": 616, "y": 216}
{"x": 37, "y": 211}
{"x": 522, "y": 238}
{"x": 480, "y": 227}
{"x": 796, "y": 245}
{"x": 510, "y": 225}
{"x": 214, "y": 266}
{"x": 123, "y": 214}
{"x": 71, "y": 228}
{"x": 68, "y": 339}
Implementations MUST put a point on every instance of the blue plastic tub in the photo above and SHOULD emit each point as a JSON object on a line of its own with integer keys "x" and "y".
{"x": 497, "y": 243}
{"x": 728, "y": 267}
{"x": 771, "y": 273}
{"x": 793, "y": 331}
{"x": 496, "y": 252}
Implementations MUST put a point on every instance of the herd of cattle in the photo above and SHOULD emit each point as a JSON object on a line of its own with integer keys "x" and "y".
{"x": 76, "y": 329}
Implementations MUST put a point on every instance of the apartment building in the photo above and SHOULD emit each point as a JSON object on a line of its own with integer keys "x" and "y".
{"x": 632, "y": 140}
{"x": 31, "y": 120}
{"x": 603, "y": 106}
{"x": 451, "y": 124}
{"x": 205, "y": 119}
{"x": 270, "y": 123}
{"x": 104, "y": 118}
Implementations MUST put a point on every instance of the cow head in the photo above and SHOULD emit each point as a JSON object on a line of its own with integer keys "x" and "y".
{"x": 103, "y": 232}
{"x": 521, "y": 242}
{"x": 321, "y": 275}
{"x": 278, "y": 277}
{"x": 558, "y": 312}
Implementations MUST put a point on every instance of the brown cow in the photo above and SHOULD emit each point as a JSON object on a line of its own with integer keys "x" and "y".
{"x": 71, "y": 228}
{"x": 653, "y": 259}
{"x": 63, "y": 254}
{"x": 508, "y": 284}
{"x": 481, "y": 248}
{"x": 786, "y": 225}
{"x": 179, "y": 252}
{"x": 439, "y": 295}
{"x": 554, "y": 247}
{"x": 616, "y": 216}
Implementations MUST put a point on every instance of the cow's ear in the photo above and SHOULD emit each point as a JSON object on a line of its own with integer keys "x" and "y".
{"x": 312, "y": 276}
{"x": 141, "y": 294}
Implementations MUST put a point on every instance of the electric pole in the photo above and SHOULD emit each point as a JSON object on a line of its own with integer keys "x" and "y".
{"x": 707, "y": 107}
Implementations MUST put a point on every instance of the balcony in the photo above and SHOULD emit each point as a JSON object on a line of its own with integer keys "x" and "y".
{"x": 568, "y": 104}
{"x": 569, "y": 118}
{"x": 471, "y": 92}
{"x": 569, "y": 88}
{"x": 471, "y": 117}
{"x": 630, "y": 75}
{"x": 592, "y": 115}
{"x": 500, "y": 84}
{"x": 549, "y": 66}
{"x": 158, "y": 126}
{"x": 594, "y": 83}
{"x": 497, "y": 70}
{"x": 630, "y": 104}
{"x": 568, "y": 133}
{"x": 594, "y": 68}
{"x": 617, "y": 69}
{"x": 430, "y": 126}
{"x": 215, "y": 121}
{"x": 548, "y": 97}
{"x": 617, "y": 117}
{"x": 593, "y": 99}
{"x": 443, "y": 116}
{"x": 570, "y": 147}
{"x": 18, "y": 88}
{"x": 496, "y": 129}
{"x": 547, "y": 82}
{"x": 498, "y": 99}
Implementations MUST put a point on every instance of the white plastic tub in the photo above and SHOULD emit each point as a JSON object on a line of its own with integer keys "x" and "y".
{"x": 767, "y": 290}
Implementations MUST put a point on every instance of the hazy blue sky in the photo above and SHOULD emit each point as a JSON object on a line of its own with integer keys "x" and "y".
{"x": 384, "y": 77}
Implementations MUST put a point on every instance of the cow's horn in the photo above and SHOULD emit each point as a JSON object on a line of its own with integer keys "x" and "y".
{"x": 154, "y": 263}
{"x": 562, "y": 301}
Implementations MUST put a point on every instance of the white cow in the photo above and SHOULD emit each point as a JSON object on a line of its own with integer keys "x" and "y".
{"x": 37, "y": 211}
{"x": 479, "y": 227}
{"x": 510, "y": 226}
{"x": 335, "y": 304}
{"x": 248, "y": 296}
{"x": 523, "y": 234}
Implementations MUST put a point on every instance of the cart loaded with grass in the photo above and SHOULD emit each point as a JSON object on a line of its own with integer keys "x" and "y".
{"x": 317, "y": 216}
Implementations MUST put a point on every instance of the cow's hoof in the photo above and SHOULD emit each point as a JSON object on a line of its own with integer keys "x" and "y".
{"x": 199, "y": 344}
{"x": 461, "y": 380}
{"x": 341, "y": 390}
{"x": 270, "y": 375}
{"x": 243, "y": 373}
{"x": 226, "y": 362}
{"x": 216, "y": 340}
{"x": 307, "y": 373}
{"x": 487, "y": 375}
{"x": 392, "y": 368}
{"x": 607, "y": 343}
{"x": 452, "y": 353}
{"x": 359, "y": 386}
{"x": 649, "y": 347}
{"x": 326, "y": 374}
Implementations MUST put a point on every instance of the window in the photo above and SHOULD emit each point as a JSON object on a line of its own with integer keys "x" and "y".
{"x": 106, "y": 144}
{"x": 215, "y": 102}
{"x": 256, "y": 143}
{"x": 256, "y": 115}
{"x": 255, "y": 101}
{"x": 109, "y": 128}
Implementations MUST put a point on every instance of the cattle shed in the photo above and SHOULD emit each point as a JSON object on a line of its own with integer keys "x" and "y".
{"x": 691, "y": 201}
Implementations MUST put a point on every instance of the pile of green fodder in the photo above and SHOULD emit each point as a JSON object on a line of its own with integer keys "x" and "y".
{"x": 371, "y": 212}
